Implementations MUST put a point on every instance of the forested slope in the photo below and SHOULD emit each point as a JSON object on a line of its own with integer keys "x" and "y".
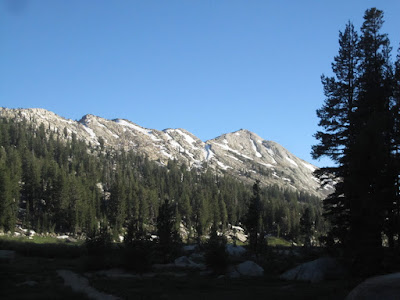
{"x": 51, "y": 184}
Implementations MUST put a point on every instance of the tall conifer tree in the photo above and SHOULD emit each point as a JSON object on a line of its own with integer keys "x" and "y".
{"x": 358, "y": 128}
{"x": 336, "y": 118}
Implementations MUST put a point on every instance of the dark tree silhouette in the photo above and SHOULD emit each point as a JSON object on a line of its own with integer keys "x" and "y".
{"x": 253, "y": 219}
{"x": 358, "y": 123}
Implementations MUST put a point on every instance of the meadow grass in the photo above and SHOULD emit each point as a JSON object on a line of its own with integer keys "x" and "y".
{"x": 276, "y": 241}
{"x": 38, "y": 261}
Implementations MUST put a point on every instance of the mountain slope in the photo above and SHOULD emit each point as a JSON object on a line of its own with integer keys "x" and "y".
{"x": 242, "y": 153}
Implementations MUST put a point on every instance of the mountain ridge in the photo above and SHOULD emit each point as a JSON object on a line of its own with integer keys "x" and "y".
{"x": 241, "y": 153}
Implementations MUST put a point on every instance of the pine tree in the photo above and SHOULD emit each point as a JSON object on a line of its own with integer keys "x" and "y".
{"x": 358, "y": 130}
{"x": 166, "y": 230}
{"x": 7, "y": 204}
{"x": 371, "y": 154}
{"x": 117, "y": 203}
{"x": 307, "y": 225}
{"x": 253, "y": 218}
{"x": 393, "y": 220}
{"x": 336, "y": 118}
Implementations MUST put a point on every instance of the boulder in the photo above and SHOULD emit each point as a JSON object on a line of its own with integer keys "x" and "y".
{"x": 185, "y": 262}
{"x": 163, "y": 267}
{"x": 381, "y": 287}
{"x": 316, "y": 270}
{"x": 197, "y": 256}
{"x": 249, "y": 268}
{"x": 189, "y": 248}
{"x": 234, "y": 274}
{"x": 28, "y": 283}
{"x": 233, "y": 250}
{"x": 237, "y": 232}
{"x": 116, "y": 273}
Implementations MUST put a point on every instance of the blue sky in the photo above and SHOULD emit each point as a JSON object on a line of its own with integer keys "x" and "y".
{"x": 209, "y": 66}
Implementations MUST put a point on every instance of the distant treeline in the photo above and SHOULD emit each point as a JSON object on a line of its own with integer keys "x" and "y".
{"x": 50, "y": 185}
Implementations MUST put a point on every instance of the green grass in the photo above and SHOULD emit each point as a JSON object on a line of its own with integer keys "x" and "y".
{"x": 276, "y": 241}
{"x": 38, "y": 240}
{"x": 39, "y": 262}
{"x": 41, "y": 271}
{"x": 42, "y": 247}
{"x": 272, "y": 241}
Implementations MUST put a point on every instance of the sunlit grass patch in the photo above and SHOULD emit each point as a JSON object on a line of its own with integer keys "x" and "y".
{"x": 276, "y": 241}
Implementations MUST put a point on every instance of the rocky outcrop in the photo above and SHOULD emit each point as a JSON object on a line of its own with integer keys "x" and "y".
{"x": 247, "y": 269}
{"x": 316, "y": 271}
{"x": 235, "y": 251}
{"x": 381, "y": 287}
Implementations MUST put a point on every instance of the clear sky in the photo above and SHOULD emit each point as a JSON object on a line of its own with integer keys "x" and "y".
{"x": 209, "y": 66}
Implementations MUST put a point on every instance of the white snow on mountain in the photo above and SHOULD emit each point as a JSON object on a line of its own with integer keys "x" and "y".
{"x": 310, "y": 167}
{"x": 241, "y": 154}
{"x": 258, "y": 154}
{"x": 90, "y": 131}
{"x": 291, "y": 161}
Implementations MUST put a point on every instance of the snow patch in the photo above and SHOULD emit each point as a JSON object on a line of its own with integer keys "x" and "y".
{"x": 187, "y": 137}
{"x": 153, "y": 137}
{"x": 253, "y": 144}
{"x": 90, "y": 131}
{"x": 310, "y": 167}
{"x": 138, "y": 128}
{"x": 223, "y": 166}
{"x": 231, "y": 156}
{"x": 133, "y": 126}
{"x": 267, "y": 165}
{"x": 208, "y": 152}
{"x": 245, "y": 156}
{"x": 163, "y": 152}
{"x": 270, "y": 151}
{"x": 226, "y": 147}
{"x": 291, "y": 161}
{"x": 176, "y": 145}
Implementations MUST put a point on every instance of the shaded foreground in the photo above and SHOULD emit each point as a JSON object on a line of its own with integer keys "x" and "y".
{"x": 33, "y": 274}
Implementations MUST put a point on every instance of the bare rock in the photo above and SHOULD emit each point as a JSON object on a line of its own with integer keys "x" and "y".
{"x": 235, "y": 251}
{"x": 249, "y": 268}
{"x": 316, "y": 270}
{"x": 381, "y": 287}
{"x": 185, "y": 262}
